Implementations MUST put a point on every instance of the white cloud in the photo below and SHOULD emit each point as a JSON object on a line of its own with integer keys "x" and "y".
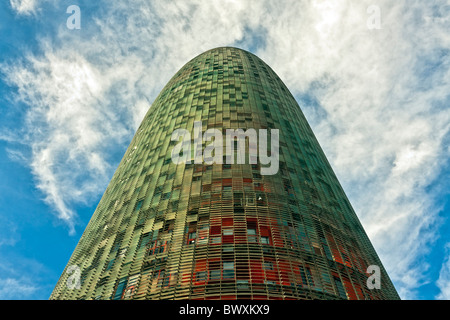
{"x": 383, "y": 93}
{"x": 67, "y": 126}
{"x": 443, "y": 283}
{"x": 8, "y": 233}
{"x": 24, "y": 7}
{"x": 21, "y": 277}
{"x": 11, "y": 288}
{"x": 30, "y": 8}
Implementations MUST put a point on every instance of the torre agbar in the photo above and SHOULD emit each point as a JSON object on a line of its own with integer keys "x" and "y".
{"x": 224, "y": 229}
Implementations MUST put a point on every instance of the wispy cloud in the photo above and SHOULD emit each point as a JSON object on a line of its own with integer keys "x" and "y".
{"x": 30, "y": 8}
{"x": 443, "y": 282}
{"x": 24, "y": 7}
{"x": 381, "y": 113}
{"x": 8, "y": 232}
{"x": 21, "y": 279}
{"x": 67, "y": 126}
{"x": 16, "y": 289}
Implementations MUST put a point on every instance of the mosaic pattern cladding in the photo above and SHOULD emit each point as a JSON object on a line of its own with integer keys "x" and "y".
{"x": 223, "y": 231}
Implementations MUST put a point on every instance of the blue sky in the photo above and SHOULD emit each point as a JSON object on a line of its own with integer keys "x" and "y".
{"x": 376, "y": 96}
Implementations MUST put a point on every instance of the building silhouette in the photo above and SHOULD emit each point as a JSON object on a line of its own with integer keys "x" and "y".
{"x": 166, "y": 230}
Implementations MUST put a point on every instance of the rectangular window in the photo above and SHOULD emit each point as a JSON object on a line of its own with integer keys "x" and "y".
{"x": 271, "y": 285}
{"x": 165, "y": 196}
{"x": 166, "y": 281}
{"x": 156, "y": 247}
{"x": 228, "y": 269}
{"x": 340, "y": 287}
{"x": 191, "y": 237}
{"x": 214, "y": 275}
{"x": 242, "y": 284}
{"x": 251, "y": 235}
{"x": 201, "y": 276}
{"x": 110, "y": 264}
{"x": 227, "y": 248}
{"x": 265, "y": 240}
{"x": 203, "y": 239}
{"x": 307, "y": 277}
{"x": 139, "y": 204}
{"x": 120, "y": 288}
{"x": 268, "y": 265}
{"x": 227, "y": 232}
{"x": 216, "y": 240}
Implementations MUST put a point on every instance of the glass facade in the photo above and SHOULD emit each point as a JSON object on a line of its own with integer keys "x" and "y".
{"x": 223, "y": 230}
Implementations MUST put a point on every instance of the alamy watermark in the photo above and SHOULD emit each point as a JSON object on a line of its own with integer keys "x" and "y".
{"x": 213, "y": 152}
{"x": 374, "y": 280}
{"x": 74, "y": 20}
{"x": 374, "y": 20}
{"x": 74, "y": 281}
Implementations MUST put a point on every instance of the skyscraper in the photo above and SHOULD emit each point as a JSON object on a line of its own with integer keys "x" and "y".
{"x": 224, "y": 229}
